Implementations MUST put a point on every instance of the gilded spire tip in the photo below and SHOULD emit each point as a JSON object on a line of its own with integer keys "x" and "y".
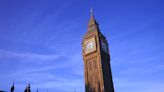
{"x": 91, "y": 11}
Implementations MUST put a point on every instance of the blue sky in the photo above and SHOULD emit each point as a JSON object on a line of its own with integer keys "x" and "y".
{"x": 40, "y": 43}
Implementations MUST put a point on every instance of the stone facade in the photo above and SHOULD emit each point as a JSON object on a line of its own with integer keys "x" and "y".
{"x": 98, "y": 77}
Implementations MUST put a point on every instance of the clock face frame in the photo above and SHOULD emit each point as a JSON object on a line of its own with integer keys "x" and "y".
{"x": 104, "y": 46}
{"x": 90, "y": 45}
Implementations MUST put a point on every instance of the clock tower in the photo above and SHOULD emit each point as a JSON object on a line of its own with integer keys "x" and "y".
{"x": 96, "y": 57}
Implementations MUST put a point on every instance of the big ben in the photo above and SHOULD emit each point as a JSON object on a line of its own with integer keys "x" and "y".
{"x": 96, "y": 57}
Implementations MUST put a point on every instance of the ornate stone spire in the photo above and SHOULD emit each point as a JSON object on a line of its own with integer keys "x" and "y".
{"x": 37, "y": 90}
{"x": 92, "y": 21}
{"x": 27, "y": 88}
{"x": 91, "y": 12}
{"x": 12, "y": 88}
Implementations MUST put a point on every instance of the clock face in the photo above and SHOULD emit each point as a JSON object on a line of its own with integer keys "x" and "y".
{"x": 89, "y": 45}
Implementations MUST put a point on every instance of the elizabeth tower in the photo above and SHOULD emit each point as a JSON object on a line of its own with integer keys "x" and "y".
{"x": 98, "y": 76}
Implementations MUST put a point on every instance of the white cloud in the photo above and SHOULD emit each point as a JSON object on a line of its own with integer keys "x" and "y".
{"x": 27, "y": 57}
{"x": 139, "y": 86}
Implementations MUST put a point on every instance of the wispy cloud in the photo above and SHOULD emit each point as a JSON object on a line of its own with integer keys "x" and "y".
{"x": 47, "y": 73}
{"x": 140, "y": 86}
{"x": 27, "y": 57}
{"x": 57, "y": 83}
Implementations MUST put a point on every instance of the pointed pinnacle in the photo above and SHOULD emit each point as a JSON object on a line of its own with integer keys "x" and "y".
{"x": 91, "y": 11}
